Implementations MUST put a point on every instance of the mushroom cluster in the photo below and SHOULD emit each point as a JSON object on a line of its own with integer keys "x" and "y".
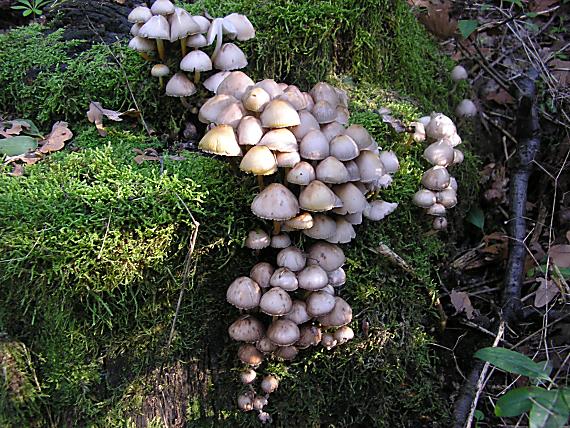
{"x": 439, "y": 191}
{"x": 153, "y": 28}
{"x": 317, "y": 176}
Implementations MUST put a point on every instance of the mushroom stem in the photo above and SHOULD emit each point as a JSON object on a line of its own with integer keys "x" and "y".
{"x": 276, "y": 227}
{"x": 260, "y": 182}
{"x": 219, "y": 36}
{"x": 183, "y": 48}
{"x": 196, "y": 76}
{"x": 185, "y": 103}
{"x": 161, "y": 51}
{"x": 145, "y": 56}
{"x": 285, "y": 172}
{"x": 161, "y": 80}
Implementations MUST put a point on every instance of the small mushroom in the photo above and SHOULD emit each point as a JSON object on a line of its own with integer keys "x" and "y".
{"x": 339, "y": 316}
{"x": 312, "y": 278}
{"x": 246, "y": 329}
{"x": 291, "y": 258}
{"x": 320, "y": 303}
{"x": 280, "y": 241}
{"x": 275, "y": 302}
{"x": 265, "y": 345}
{"x": 298, "y": 313}
{"x": 257, "y": 239}
{"x": 261, "y": 274}
{"x": 244, "y": 293}
{"x": 343, "y": 334}
{"x": 328, "y": 341}
{"x": 328, "y": 256}
{"x": 285, "y": 279}
{"x": 440, "y": 126}
{"x": 245, "y": 403}
{"x": 247, "y": 376}
{"x": 439, "y": 223}
{"x": 424, "y": 198}
{"x": 436, "y": 178}
{"x": 248, "y": 354}
{"x": 259, "y": 402}
{"x": 287, "y": 353}
{"x": 466, "y": 108}
{"x": 458, "y": 73}
{"x": 283, "y": 332}
{"x": 160, "y": 70}
{"x": 269, "y": 384}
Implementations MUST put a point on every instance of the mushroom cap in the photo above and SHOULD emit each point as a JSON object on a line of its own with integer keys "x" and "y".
{"x": 453, "y": 140}
{"x": 344, "y": 232}
{"x": 344, "y": 148}
{"x": 328, "y": 340}
{"x": 447, "y": 197}
{"x": 437, "y": 210}
{"x": 343, "y": 334}
{"x": 249, "y": 354}
{"x": 333, "y": 129}
{"x": 291, "y": 258}
{"x": 269, "y": 384}
{"x": 271, "y": 87}
{"x": 246, "y": 329}
{"x": 264, "y": 418}
{"x": 439, "y": 153}
{"x": 259, "y": 160}
{"x": 300, "y": 222}
{"x": 156, "y": 27}
{"x": 220, "y": 140}
{"x": 377, "y": 210}
{"x": 287, "y": 159}
{"x": 245, "y": 402}
{"x": 342, "y": 115}
{"x": 247, "y": 376}
{"x": 370, "y": 166}
{"x": 339, "y": 316}
{"x": 440, "y": 126}
{"x": 265, "y": 345}
{"x": 312, "y": 278}
{"x": 284, "y": 278}
{"x": 322, "y": 91}
{"x": 283, "y": 333}
{"x": 196, "y": 60}
{"x": 259, "y": 402}
{"x": 308, "y": 123}
{"x": 320, "y": 303}
{"x": 196, "y": 41}
{"x": 295, "y": 97}
{"x": 255, "y": 99}
{"x": 390, "y": 161}
{"x": 337, "y": 277}
{"x": 352, "y": 199}
{"x": 360, "y": 136}
{"x": 203, "y": 22}
{"x": 140, "y": 44}
{"x": 213, "y": 28}
{"x": 419, "y": 134}
{"x": 281, "y": 140}
{"x": 235, "y": 84}
{"x": 159, "y": 70}
{"x": 452, "y": 183}
{"x": 314, "y": 145}
{"x": 298, "y": 313}
{"x": 354, "y": 218}
{"x": 212, "y": 82}
{"x": 275, "y": 301}
{"x": 280, "y": 241}
{"x": 257, "y": 239}
{"x": 317, "y": 197}
{"x": 302, "y": 174}
{"x": 439, "y": 223}
{"x": 323, "y": 227}
{"x": 310, "y": 335}
{"x": 275, "y": 202}
{"x": 244, "y": 28}
{"x": 135, "y": 28}
{"x": 139, "y": 14}
{"x": 261, "y": 273}
{"x": 324, "y": 112}
{"x": 436, "y": 178}
{"x": 328, "y": 256}
{"x": 331, "y": 170}
{"x": 353, "y": 171}
{"x": 162, "y": 7}
{"x": 424, "y": 198}
{"x": 249, "y": 131}
{"x": 279, "y": 114}
{"x": 458, "y": 73}
{"x": 230, "y": 57}
{"x": 244, "y": 293}
{"x": 287, "y": 353}
{"x": 181, "y": 25}
{"x": 457, "y": 157}
{"x": 222, "y": 110}
{"x": 180, "y": 86}
{"x": 466, "y": 108}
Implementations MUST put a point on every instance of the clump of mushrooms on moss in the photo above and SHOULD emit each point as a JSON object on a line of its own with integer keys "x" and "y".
{"x": 439, "y": 188}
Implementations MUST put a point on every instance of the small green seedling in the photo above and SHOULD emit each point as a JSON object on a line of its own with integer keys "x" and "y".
{"x": 30, "y": 7}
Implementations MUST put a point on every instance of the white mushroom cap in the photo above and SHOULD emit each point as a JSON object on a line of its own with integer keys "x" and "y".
{"x": 343, "y": 334}
{"x": 453, "y": 140}
{"x": 424, "y": 198}
{"x": 377, "y": 210}
{"x": 424, "y": 120}
{"x": 255, "y": 99}
{"x": 370, "y": 166}
{"x": 437, "y": 210}
{"x": 344, "y": 232}
{"x": 280, "y": 241}
{"x": 220, "y": 140}
{"x": 300, "y": 222}
{"x": 291, "y": 258}
{"x": 312, "y": 278}
{"x": 265, "y": 345}
{"x": 245, "y": 403}
{"x": 246, "y": 329}
{"x": 180, "y": 86}
{"x": 328, "y": 256}
{"x": 247, "y": 376}
{"x": 259, "y": 402}
{"x": 197, "y": 41}
{"x": 342, "y": 115}
{"x": 352, "y": 199}
{"x": 323, "y": 227}
{"x": 324, "y": 112}
{"x": 324, "y": 92}
{"x": 159, "y": 70}
{"x": 466, "y": 108}
{"x": 196, "y": 60}
{"x": 259, "y": 161}
{"x": 333, "y": 129}
{"x": 222, "y": 110}
{"x": 317, "y": 197}
{"x": 281, "y": 140}
{"x": 354, "y": 218}
{"x": 458, "y": 73}
{"x": 302, "y": 174}
{"x": 156, "y": 27}
{"x": 182, "y": 25}
{"x": 320, "y": 303}
{"x": 249, "y": 354}
{"x": 293, "y": 95}
{"x": 287, "y": 353}
{"x": 203, "y": 22}
{"x": 275, "y": 202}
{"x": 244, "y": 28}
{"x": 447, "y": 197}
{"x": 453, "y": 183}
{"x": 283, "y": 333}
{"x": 310, "y": 336}
{"x": 287, "y": 159}
{"x": 257, "y": 239}
{"x": 230, "y": 57}
{"x": 419, "y": 134}
{"x": 235, "y": 84}
{"x": 261, "y": 274}
{"x": 279, "y": 114}
{"x": 329, "y": 289}
{"x": 439, "y": 223}
{"x": 337, "y": 277}
{"x": 140, "y": 44}
{"x": 249, "y": 131}
{"x": 439, "y": 153}
{"x": 328, "y": 340}
{"x": 307, "y": 123}
{"x": 212, "y": 82}
{"x": 360, "y": 136}
{"x": 436, "y": 178}
{"x": 298, "y": 313}
{"x": 353, "y": 171}
{"x": 331, "y": 170}
{"x": 440, "y": 126}
{"x": 276, "y": 302}
{"x": 244, "y": 293}
{"x": 390, "y": 161}
{"x": 269, "y": 384}
{"x": 271, "y": 87}
{"x": 314, "y": 145}
{"x": 135, "y": 28}
{"x": 343, "y": 148}
{"x": 339, "y": 316}
{"x": 162, "y": 7}
{"x": 457, "y": 157}
{"x": 139, "y": 14}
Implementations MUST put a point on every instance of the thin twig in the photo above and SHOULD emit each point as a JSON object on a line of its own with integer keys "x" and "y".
{"x": 105, "y": 236}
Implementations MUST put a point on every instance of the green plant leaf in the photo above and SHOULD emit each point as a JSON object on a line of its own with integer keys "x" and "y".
{"x": 19, "y": 7}
{"x": 514, "y": 402}
{"x": 479, "y": 415}
{"x": 27, "y": 12}
{"x": 17, "y": 145}
{"x": 476, "y": 217}
{"x": 33, "y": 129}
{"x": 512, "y": 362}
{"x": 517, "y": 2}
{"x": 37, "y": 12}
{"x": 549, "y": 411}
{"x": 467, "y": 26}
{"x": 26, "y": 2}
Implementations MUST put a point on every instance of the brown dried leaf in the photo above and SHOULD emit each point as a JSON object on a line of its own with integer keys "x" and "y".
{"x": 28, "y": 158}
{"x": 18, "y": 170}
{"x": 545, "y": 293}
{"x": 141, "y": 158}
{"x": 560, "y": 255}
{"x": 462, "y": 303}
{"x": 55, "y": 141}
{"x": 541, "y": 5}
{"x": 561, "y": 70}
{"x": 96, "y": 112}
{"x": 500, "y": 97}
{"x": 15, "y": 129}
{"x": 437, "y": 20}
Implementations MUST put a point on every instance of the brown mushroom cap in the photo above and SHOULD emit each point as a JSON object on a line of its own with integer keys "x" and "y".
{"x": 269, "y": 384}
{"x": 249, "y": 354}
{"x": 310, "y": 336}
{"x": 440, "y": 126}
{"x": 276, "y": 302}
{"x": 246, "y": 329}
{"x": 300, "y": 222}
{"x": 343, "y": 334}
{"x": 244, "y": 293}
{"x": 265, "y": 345}
{"x": 328, "y": 340}
{"x": 287, "y": 353}
{"x": 275, "y": 202}
{"x": 247, "y": 376}
{"x": 271, "y": 87}
{"x": 320, "y": 303}
{"x": 259, "y": 160}
{"x": 279, "y": 114}
{"x": 220, "y": 140}
{"x": 283, "y": 332}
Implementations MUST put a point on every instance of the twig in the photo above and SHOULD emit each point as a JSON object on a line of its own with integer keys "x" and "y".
{"x": 186, "y": 272}
{"x": 105, "y": 236}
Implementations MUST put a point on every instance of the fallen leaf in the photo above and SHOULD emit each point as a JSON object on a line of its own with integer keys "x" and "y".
{"x": 462, "y": 303}
{"x": 396, "y": 124}
{"x": 437, "y": 20}
{"x": 55, "y": 141}
{"x": 28, "y": 158}
{"x": 17, "y": 171}
{"x": 560, "y": 255}
{"x": 541, "y": 5}
{"x": 17, "y": 145}
{"x": 15, "y": 129}
{"x": 141, "y": 158}
{"x": 561, "y": 70}
{"x": 500, "y": 97}
{"x": 97, "y": 111}
{"x": 545, "y": 293}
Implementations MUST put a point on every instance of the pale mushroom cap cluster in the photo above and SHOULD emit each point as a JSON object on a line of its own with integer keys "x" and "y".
{"x": 439, "y": 192}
